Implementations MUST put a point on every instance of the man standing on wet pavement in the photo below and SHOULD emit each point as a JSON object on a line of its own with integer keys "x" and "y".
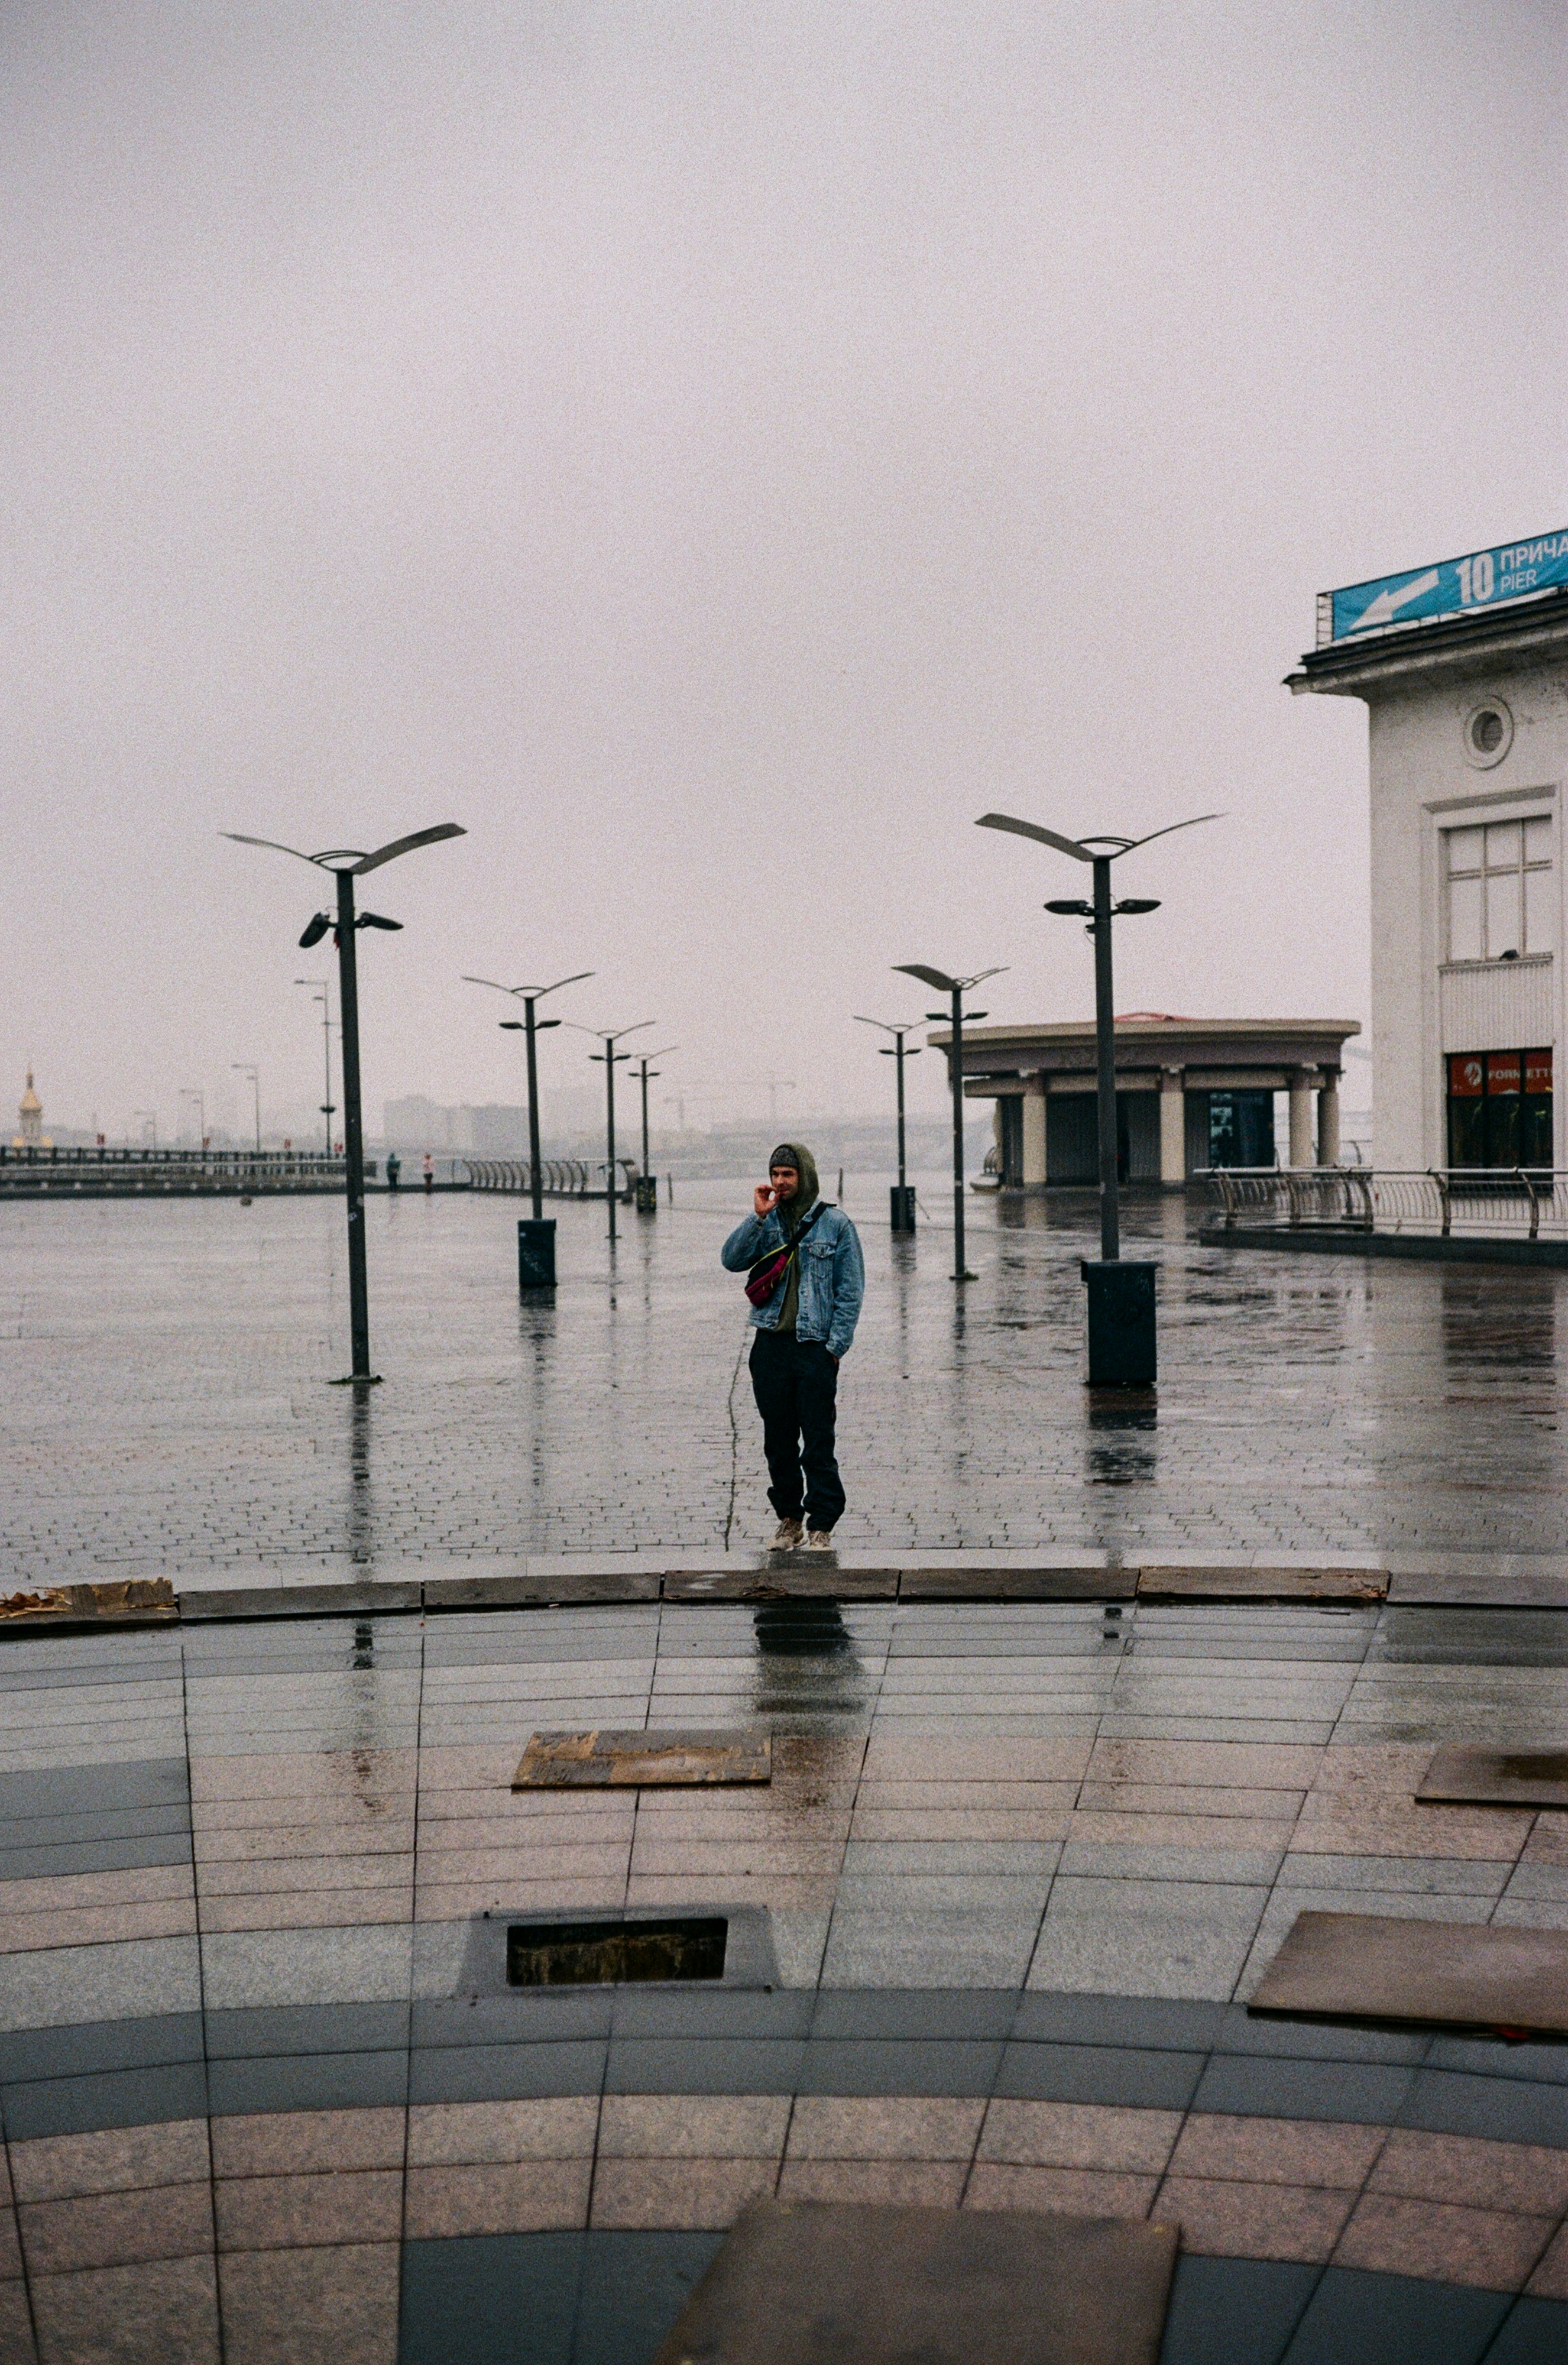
{"x": 807, "y": 1281}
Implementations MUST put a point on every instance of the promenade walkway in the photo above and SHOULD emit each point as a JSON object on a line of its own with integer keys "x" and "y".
{"x": 163, "y": 1406}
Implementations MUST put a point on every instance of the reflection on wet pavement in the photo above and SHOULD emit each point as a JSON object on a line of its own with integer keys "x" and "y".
{"x": 1019, "y": 1866}
{"x": 166, "y": 1405}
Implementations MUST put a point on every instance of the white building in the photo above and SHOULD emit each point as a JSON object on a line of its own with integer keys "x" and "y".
{"x": 1463, "y": 668}
{"x": 1191, "y": 1093}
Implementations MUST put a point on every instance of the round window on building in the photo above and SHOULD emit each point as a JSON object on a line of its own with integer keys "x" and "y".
{"x": 1488, "y": 733}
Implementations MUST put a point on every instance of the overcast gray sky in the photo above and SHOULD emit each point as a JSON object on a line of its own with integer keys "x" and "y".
{"x": 714, "y": 452}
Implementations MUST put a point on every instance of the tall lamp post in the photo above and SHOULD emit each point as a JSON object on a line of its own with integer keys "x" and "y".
{"x": 347, "y": 864}
{"x": 243, "y": 1068}
{"x": 1122, "y": 1349}
{"x": 957, "y": 987}
{"x": 903, "y": 1197}
{"x": 531, "y": 996}
{"x": 324, "y": 996}
{"x": 610, "y": 1058}
{"x": 647, "y": 1192}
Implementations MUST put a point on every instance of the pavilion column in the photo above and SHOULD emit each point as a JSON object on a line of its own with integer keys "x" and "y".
{"x": 1301, "y": 1081}
{"x": 1173, "y": 1128}
{"x": 1034, "y": 1133}
{"x": 1329, "y": 1118}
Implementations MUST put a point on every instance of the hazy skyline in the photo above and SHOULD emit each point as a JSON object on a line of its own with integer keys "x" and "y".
{"x": 714, "y": 455}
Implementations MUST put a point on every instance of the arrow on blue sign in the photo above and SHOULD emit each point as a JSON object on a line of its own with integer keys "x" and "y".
{"x": 1486, "y": 578}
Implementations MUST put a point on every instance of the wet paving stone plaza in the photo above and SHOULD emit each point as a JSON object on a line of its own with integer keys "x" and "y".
{"x": 995, "y": 1920}
{"x": 166, "y": 1411}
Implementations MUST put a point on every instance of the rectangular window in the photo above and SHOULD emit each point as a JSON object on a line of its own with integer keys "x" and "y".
{"x": 1499, "y": 891}
{"x": 1500, "y": 1108}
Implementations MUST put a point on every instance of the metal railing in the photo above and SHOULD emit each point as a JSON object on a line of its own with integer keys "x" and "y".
{"x": 32, "y": 1173}
{"x": 1496, "y": 1202}
{"x": 560, "y": 1178}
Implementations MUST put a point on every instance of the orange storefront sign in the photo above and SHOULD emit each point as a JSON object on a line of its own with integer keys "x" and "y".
{"x": 1503, "y": 1071}
{"x": 1537, "y": 1071}
{"x": 1466, "y": 1069}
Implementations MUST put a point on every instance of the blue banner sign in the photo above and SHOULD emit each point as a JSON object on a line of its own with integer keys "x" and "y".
{"x": 1456, "y": 587}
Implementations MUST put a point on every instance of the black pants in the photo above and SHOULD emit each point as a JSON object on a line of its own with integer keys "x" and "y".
{"x": 796, "y": 1384}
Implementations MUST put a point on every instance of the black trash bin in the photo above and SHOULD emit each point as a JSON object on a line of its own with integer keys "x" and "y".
{"x": 901, "y": 1195}
{"x": 1121, "y": 1323}
{"x": 647, "y": 1193}
{"x": 536, "y": 1252}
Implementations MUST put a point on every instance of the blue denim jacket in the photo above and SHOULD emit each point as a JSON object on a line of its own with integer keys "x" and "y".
{"x": 833, "y": 1277}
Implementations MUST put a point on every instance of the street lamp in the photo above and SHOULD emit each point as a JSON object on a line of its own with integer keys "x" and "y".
{"x": 324, "y": 996}
{"x": 903, "y": 1197}
{"x": 646, "y": 1193}
{"x": 530, "y": 1026}
{"x": 957, "y": 987}
{"x": 194, "y": 1092}
{"x": 611, "y": 1056}
{"x": 348, "y": 863}
{"x": 243, "y": 1068}
{"x": 1121, "y": 1297}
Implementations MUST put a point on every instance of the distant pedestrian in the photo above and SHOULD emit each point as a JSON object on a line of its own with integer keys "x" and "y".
{"x": 807, "y": 1279}
{"x": 394, "y": 1169}
{"x": 429, "y": 1171}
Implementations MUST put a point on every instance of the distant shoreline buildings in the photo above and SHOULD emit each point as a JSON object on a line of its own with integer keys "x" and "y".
{"x": 29, "y": 1134}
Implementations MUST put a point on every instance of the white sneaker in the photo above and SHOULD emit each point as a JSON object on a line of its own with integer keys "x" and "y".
{"x": 820, "y": 1540}
{"x": 788, "y": 1538}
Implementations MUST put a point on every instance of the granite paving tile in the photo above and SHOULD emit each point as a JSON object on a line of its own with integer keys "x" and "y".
{"x": 118, "y": 1979}
{"x": 910, "y": 2184}
{"x": 1077, "y": 2136}
{"x": 1229, "y": 2218}
{"x": 162, "y": 2308}
{"x": 443, "y": 2135}
{"x": 1259, "y": 2150}
{"x": 1079, "y": 2191}
{"x": 1440, "y": 2242}
{"x": 122, "y": 2160}
{"x": 1549, "y": 2277}
{"x": 1169, "y": 1938}
{"x": 287, "y": 2143}
{"x": 116, "y": 2229}
{"x": 1531, "y": 2178}
{"x": 678, "y": 2192}
{"x": 524, "y": 2196}
{"x": 288, "y": 2212}
{"x": 692, "y": 2126}
{"x": 831, "y": 2126}
{"x": 330, "y": 2306}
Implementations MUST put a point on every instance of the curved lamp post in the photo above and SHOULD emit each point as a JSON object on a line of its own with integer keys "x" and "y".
{"x": 347, "y": 864}
{"x": 957, "y": 987}
{"x": 1121, "y": 1315}
{"x": 611, "y": 1056}
{"x": 647, "y": 1072}
{"x": 529, "y": 995}
{"x": 903, "y": 1197}
{"x": 323, "y": 998}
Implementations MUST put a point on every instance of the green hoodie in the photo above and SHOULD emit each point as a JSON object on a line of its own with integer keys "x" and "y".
{"x": 791, "y": 1215}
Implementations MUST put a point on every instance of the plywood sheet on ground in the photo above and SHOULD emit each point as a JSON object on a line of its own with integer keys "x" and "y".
{"x": 836, "y": 2283}
{"x": 1497, "y": 1777}
{"x": 620, "y": 1761}
{"x": 1444, "y": 1974}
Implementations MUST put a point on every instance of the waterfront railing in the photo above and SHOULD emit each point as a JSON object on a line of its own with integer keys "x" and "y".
{"x": 1477, "y": 1201}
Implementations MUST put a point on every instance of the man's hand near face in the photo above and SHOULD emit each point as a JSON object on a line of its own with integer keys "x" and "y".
{"x": 781, "y": 1184}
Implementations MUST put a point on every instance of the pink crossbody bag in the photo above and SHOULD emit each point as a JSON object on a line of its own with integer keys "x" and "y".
{"x": 768, "y": 1272}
